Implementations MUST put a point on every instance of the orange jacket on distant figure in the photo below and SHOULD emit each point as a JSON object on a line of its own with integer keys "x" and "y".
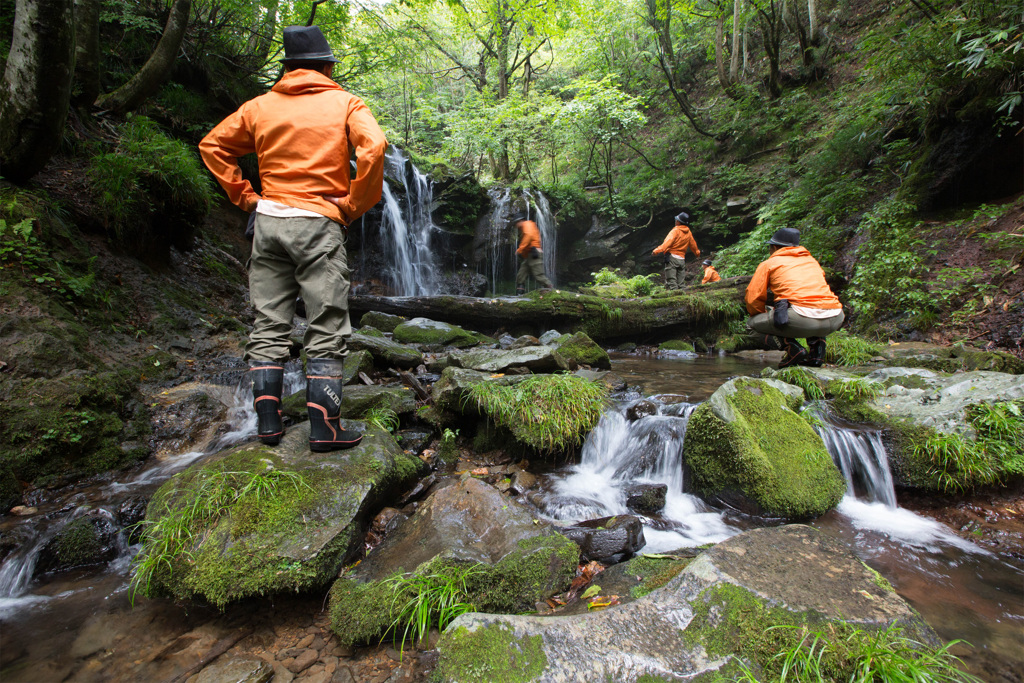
{"x": 793, "y": 274}
{"x": 710, "y": 275}
{"x": 303, "y": 152}
{"x": 677, "y": 242}
{"x": 530, "y": 238}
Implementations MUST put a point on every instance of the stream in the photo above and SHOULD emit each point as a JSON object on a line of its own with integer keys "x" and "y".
{"x": 52, "y": 622}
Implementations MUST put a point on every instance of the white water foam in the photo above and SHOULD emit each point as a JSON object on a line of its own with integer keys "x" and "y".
{"x": 904, "y": 526}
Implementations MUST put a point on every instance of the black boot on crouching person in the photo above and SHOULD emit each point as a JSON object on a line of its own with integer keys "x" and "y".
{"x": 794, "y": 353}
{"x": 816, "y": 354}
{"x": 323, "y": 402}
{"x": 267, "y": 381}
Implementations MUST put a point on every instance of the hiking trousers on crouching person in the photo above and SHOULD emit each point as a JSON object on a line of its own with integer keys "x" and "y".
{"x": 798, "y": 327}
{"x": 293, "y": 256}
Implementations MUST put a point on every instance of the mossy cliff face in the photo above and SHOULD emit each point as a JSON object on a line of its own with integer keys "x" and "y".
{"x": 747, "y": 446}
{"x": 716, "y": 613}
{"x": 517, "y": 562}
{"x": 292, "y": 534}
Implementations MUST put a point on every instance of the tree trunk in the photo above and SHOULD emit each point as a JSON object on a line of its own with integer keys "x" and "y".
{"x": 87, "y": 51}
{"x": 723, "y": 78}
{"x": 791, "y": 15}
{"x": 812, "y": 22}
{"x": 263, "y": 34}
{"x": 36, "y": 87}
{"x": 771, "y": 29}
{"x": 153, "y": 73}
{"x": 734, "y": 61}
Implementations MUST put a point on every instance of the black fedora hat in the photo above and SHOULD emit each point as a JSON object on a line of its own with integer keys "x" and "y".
{"x": 683, "y": 216}
{"x": 306, "y": 44}
{"x": 786, "y": 237}
{"x": 517, "y": 218}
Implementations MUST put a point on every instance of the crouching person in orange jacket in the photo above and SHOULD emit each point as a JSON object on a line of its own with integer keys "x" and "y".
{"x": 677, "y": 243}
{"x": 302, "y": 132}
{"x": 710, "y": 274}
{"x": 805, "y": 307}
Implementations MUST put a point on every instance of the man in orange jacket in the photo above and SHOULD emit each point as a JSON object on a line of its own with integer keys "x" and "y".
{"x": 303, "y": 132}
{"x": 710, "y": 274}
{"x": 678, "y": 241}
{"x": 531, "y": 253}
{"x": 805, "y": 307}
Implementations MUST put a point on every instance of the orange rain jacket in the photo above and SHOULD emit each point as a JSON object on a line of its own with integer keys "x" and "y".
{"x": 710, "y": 275}
{"x": 530, "y": 238}
{"x": 677, "y": 242}
{"x": 792, "y": 274}
{"x": 301, "y": 131}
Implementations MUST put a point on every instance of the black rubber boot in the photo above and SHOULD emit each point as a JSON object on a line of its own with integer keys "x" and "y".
{"x": 795, "y": 353}
{"x": 816, "y": 354}
{"x": 267, "y": 381}
{"x": 323, "y": 402}
{"x": 520, "y": 291}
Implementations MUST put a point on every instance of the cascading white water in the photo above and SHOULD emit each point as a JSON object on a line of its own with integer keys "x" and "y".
{"x": 499, "y": 240}
{"x": 861, "y": 456}
{"x": 406, "y": 231}
{"x": 619, "y": 453}
{"x": 540, "y": 212}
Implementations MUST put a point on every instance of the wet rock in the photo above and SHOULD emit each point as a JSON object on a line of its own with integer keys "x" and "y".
{"x": 607, "y": 540}
{"x": 609, "y": 379}
{"x": 522, "y": 482}
{"x": 467, "y": 523}
{"x": 418, "y": 490}
{"x": 534, "y": 358}
{"x": 950, "y": 358}
{"x": 236, "y": 670}
{"x": 525, "y": 341}
{"x": 749, "y": 449}
{"x": 303, "y": 661}
{"x": 10, "y": 489}
{"x": 382, "y": 321}
{"x": 699, "y": 622}
{"x": 188, "y": 415}
{"x": 641, "y": 409}
{"x": 646, "y": 498}
{"x": 655, "y": 441}
{"x": 355, "y": 363}
{"x": 414, "y": 440}
{"x": 386, "y": 353}
{"x": 582, "y": 350}
{"x": 426, "y": 331}
{"x": 387, "y": 520}
{"x": 550, "y": 336}
{"x": 295, "y": 538}
{"x": 343, "y": 675}
{"x": 89, "y": 539}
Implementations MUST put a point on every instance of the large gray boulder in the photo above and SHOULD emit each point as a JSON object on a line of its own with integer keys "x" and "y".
{"x": 427, "y": 331}
{"x": 711, "y": 615}
{"x": 385, "y": 352}
{"x": 256, "y": 520}
{"x": 518, "y": 560}
{"x": 538, "y": 359}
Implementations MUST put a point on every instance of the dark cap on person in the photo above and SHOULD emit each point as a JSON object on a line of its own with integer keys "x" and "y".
{"x": 707, "y": 262}
{"x": 517, "y": 218}
{"x": 786, "y": 237}
{"x": 306, "y": 44}
{"x": 682, "y": 217}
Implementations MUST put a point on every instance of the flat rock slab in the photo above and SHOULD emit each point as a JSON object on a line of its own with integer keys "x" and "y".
{"x": 236, "y": 670}
{"x": 794, "y": 572}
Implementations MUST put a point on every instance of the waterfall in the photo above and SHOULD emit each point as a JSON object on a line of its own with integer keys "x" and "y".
{"x": 861, "y": 456}
{"x": 619, "y": 453}
{"x": 499, "y": 240}
{"x": 540, "y": 212}
{"x": 406, "y": 229}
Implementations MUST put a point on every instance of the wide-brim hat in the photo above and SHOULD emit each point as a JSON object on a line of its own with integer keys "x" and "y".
{"x": 707, "y": 262}
{"x": 682, "y": 217}
{"x": 518, "y": 218}
{"x": 786, "y": 237}
{"x": 306, "y": 44}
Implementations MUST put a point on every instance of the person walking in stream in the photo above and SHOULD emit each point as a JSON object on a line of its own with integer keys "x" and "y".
{"x": 531, "y": 253}
{"x": 710, "y": 274}
{"x": 804, "y": 305}
{"x": 303, "y": 133}
{"x": 677, "y": 243}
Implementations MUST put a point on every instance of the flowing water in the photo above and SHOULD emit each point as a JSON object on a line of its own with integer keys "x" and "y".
{"x": 51, "y": 621}
{"x": 497, "y": 241}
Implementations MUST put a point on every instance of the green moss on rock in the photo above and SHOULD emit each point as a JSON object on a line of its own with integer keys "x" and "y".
{"x": 675, "y": 345}
{"x": 653, "y": 572}
{"x": 766, "y": 454}
{"x": 490, "y": 654}
{"x": 76, "y": 544}
{"x": 582, "y": 350}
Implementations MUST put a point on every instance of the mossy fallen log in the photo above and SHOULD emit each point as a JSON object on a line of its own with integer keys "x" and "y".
{"x": 694, "y": 311}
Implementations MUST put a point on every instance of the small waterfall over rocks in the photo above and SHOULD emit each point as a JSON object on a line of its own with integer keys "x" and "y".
{"x": 496, "y": 239}
{"x": 863, "y": 461}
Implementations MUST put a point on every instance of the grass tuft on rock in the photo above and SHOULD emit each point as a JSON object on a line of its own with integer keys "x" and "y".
{"x": 551, "y": 413}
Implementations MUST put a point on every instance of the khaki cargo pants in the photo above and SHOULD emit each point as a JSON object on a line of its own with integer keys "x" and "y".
{"x": 532, "y": 265}
{"x": 293, "y": 256}
{"x": 675, "y": 272}
{"x": 798, "y": 326}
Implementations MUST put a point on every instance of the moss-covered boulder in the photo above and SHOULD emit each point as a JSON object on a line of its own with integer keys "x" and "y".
{"x": 88, "y": 539}
{"x": 357, "y": 400}
{"x": 256, "y": 520}
{"x": 355, "y": 363}
{"x": 717, "y": 612}
{"x": 958, "y": 357}
{"x": 675, "y": 346}
{"x": 386, "y": 353}
{"x": 426, "y": 331}
{"x": 381, "y": 321}
{"x": 748, "y": 447}
{"x": 582, "y": 350}
{"x": 515, "y": 560}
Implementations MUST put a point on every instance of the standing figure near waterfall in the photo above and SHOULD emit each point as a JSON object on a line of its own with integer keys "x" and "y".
{"x": 677, "y": 243}
{"x": 303, "y": 133}
{"x": 804, "y": 305}
{"x": 532, "y": 254}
